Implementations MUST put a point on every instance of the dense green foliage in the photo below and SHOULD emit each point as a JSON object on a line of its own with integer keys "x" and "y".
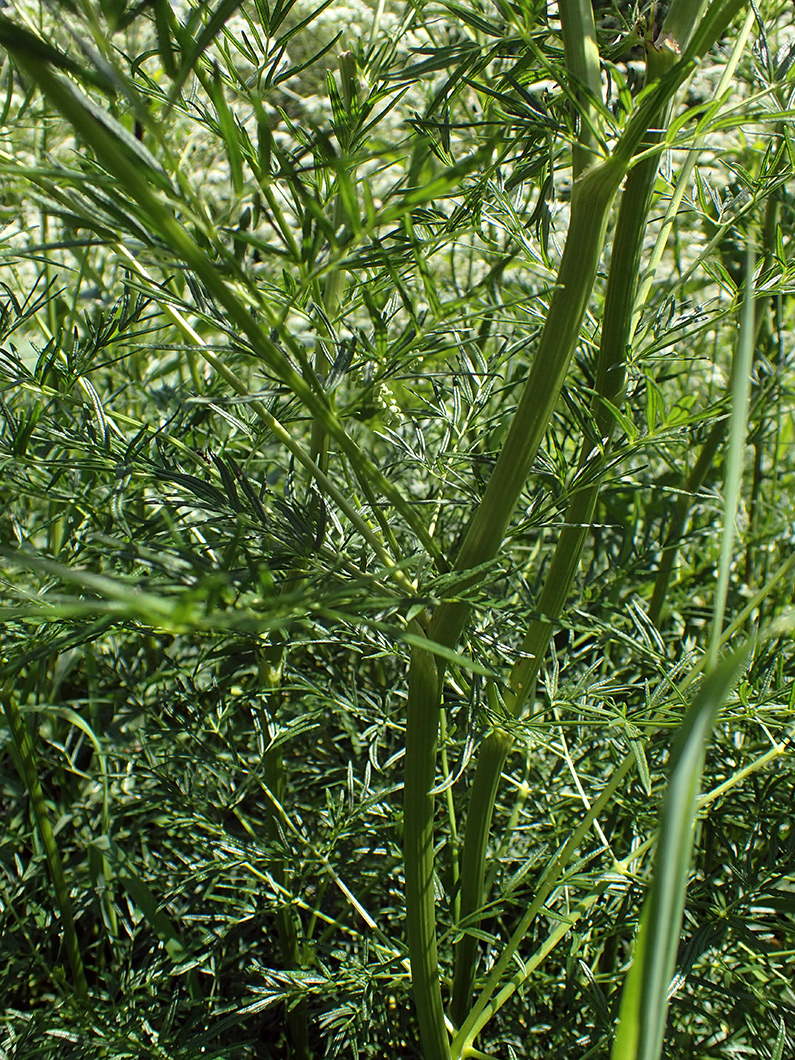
{"x": 273, "y": 280}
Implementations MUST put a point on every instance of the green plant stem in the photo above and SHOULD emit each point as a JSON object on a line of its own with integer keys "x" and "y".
{"x": 26, "y": 764}
{"x": 297, "y": 1024}
{"x": 582, "y": 66}
{"x": 484, "y": 1007}
{"x": 684, "y": 500}
{"x": 609, "y": 388}
{"x": 592, "y": 200}
{"x": 422, "y": 726}
{"x": 491, "y": 759}
{"x": 708, "y": 451}
{"x": 590, "y": 209}
{"x": 616, "y": 334}
{"x": 271, "y": 671}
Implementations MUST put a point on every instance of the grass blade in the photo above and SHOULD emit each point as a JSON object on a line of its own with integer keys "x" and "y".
{"x": 644, "y": 1004}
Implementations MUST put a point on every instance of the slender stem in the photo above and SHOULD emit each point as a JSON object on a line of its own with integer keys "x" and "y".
{"x": 610, "y": 379}
{"x": 709, "y": 449}
{"x": 590, "y": 209}
{"x": 422, "y": 725}
{"x": 26, "y": 763}
{"x": 484, "y": 1008}
{"x": 582, "y": 66}
{"x": 271, "y": 670}
{"x": 706, "y": 456}
{"x": 591, "y": 201}
{"x": 684, "y": 500}
{"x": 491, "y": 759}
{"x": 609, "y": 386}
{"x": 616, "y": 335}
{"x": 733, "y": 463}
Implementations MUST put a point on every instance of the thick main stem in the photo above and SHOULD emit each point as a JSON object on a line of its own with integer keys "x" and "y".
{"x": 422, "y": 727}
{"x": 591, "y": 202}
{"x": 610, "y": 379}
{"x": 584, "y": 68}
{"x": 616, "y": 334}
{"x": 590, "y": 210}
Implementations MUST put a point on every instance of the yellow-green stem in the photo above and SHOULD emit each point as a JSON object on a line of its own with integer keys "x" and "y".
{"x": 582, "y": 65}
{"x": 491, "y": 758}
{"x": 422, "y": 726}
{"x": 609, "y": 389}
{"x": 590, "y": 210}
{"x": 591, "y": 202}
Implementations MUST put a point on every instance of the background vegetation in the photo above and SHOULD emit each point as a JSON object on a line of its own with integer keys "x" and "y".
{"x": 273, "y": 279}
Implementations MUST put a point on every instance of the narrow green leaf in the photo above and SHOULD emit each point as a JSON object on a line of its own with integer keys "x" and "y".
{"x": 781, "y": 1040}
{"x": 144, "y": 898}
{"x": 229, "y": 131}
{"x": 193, "y": 48}
{"x": 639, "y": 751}
{"x": 17, "y": 39}
{"x": 448, "y": 654}
{"x": 644, "y": 1003}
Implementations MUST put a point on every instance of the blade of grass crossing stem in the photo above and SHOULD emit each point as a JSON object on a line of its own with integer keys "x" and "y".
{"x": 26, "y": 762}
{"x": 644, "y": 1002}
{"x": 498, "y": 988}
{"x": 741, "y": 388}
